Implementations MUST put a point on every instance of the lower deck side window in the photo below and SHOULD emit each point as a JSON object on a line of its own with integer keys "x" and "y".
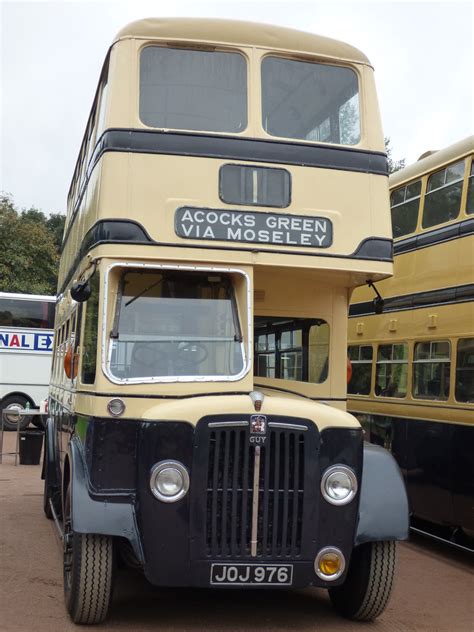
{"x": 465, "y": 370}
{"x": 431, "y": 370}
{"x": 291, "y": 348}
{"x": 360, "y": 357}
{"x": 392, "y": 370}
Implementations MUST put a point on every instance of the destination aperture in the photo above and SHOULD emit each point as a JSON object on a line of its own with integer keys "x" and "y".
{"x": 253, "y": 227}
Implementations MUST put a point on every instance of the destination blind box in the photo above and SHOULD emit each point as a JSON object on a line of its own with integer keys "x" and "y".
{"x": 253, "y": 227}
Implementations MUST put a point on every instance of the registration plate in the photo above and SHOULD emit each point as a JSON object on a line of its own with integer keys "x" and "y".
{"x": 252, "y": 574}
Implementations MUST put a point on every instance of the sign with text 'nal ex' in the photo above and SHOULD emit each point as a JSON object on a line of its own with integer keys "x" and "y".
{"x": 251, "y": 227}
{"x": 24, "y": 342}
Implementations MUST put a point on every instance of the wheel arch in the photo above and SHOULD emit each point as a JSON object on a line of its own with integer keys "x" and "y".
{"x": 383, "y": 505}
{"x": 91, "y": 515}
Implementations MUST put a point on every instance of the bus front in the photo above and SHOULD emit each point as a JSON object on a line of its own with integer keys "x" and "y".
{"x": 235, "y": 195}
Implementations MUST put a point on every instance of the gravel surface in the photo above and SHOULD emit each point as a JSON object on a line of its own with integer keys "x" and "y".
{"x": 434, "y": 590}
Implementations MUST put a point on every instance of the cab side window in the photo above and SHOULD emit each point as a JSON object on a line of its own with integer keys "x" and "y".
{"x": 90, "y": 311}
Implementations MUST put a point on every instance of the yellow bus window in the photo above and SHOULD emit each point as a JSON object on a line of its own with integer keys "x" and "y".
{"x": 443, "y": 196}
{"x": 391, "y": 370}
{"x": 361, "y": 361}
{"x": 405, "y": 203}
{"x": 431, "y": 370}
{"x": 465, "y": 370}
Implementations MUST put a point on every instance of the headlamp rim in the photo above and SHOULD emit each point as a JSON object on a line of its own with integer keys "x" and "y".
{"x": 352, "y": 477}
{"x": 159, "y": 467}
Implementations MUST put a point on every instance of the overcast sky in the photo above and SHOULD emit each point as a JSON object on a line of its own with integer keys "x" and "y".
{"x": 52, "y": 53}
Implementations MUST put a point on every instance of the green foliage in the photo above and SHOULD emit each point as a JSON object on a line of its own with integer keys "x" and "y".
{"x": 393, "y": 165}
{"x": 29, "y": 249}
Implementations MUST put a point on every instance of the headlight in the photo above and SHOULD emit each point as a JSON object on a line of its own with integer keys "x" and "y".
{"x": 169, "y": 481}
{"x": 339, "y": 485}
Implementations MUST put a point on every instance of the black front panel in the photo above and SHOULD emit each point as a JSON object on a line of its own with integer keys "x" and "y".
{"x": 337, "y": 524}
{"x": 226, "y": 478}
{"x": 164, "y": 527}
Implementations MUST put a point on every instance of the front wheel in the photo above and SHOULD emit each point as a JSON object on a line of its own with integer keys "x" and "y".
{"x": 88, "y": 572}
{"x": 368, "y": 586}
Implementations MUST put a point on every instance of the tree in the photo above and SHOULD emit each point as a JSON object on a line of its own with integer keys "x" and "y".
{"x": 29, "y": 252}
{"x": 393, "y": 165}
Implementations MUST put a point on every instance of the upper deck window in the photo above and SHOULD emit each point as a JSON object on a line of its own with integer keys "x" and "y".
{"x": 405, "y": 203}
{"x": 170, "y": 324}
{"x": 443, "y": 195}
{"x": 470, "y": 192}
{"x": 193, "y": 89}
{"x": 309, "y": 101}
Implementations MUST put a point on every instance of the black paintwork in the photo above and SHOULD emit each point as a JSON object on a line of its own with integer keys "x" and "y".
{"x": 111, "y": 451}
{"x": 436, "y": 236}
{"x": 164, "y": 527}
{"x": 239, "y": 148}
{"x": 419, "y": 300}
{"x": 95, "y": 515}
{"x": 111, "y": 460}
{"x": 337, "y": 525}
{"x": 437, "y": 464}
{"x": 130, "y": 232}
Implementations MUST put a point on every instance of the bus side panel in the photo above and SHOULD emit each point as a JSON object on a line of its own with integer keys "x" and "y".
{"x": 429, "y": 470}
{"x": 463, "y": 477}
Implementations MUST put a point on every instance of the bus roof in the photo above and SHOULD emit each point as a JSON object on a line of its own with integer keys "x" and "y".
{"x": 433, "y": 161}
{"x": 238, "y": 32}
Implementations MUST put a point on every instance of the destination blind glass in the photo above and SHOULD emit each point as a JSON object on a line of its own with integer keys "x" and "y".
{"x": 253, "y": 227}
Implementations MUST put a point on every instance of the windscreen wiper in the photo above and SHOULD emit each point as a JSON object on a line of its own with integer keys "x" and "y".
{"x": 147, "y": 289}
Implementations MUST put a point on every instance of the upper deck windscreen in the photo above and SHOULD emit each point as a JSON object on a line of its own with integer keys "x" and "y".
{"x": 310, "y": 101}
{"x": 193, "y": 90}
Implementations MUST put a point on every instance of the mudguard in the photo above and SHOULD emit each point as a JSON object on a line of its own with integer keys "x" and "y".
{"x": 97, "y": 516}
{"x": 50, "y": 455}
{"x": 383, "y": 507}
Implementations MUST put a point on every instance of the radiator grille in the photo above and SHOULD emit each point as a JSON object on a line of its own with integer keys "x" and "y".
{"x": 230, "y": 484}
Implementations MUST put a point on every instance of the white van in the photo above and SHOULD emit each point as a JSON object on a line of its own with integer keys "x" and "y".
{"x": 26, "y": 345}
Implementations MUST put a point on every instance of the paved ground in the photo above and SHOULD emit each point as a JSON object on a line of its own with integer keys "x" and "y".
{"x": 434, "y": 591}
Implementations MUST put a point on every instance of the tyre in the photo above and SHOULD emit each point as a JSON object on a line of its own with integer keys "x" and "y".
{"x": 368, "y": 586}
{"x": 14, "y": 403}
{"x": 88, "y": 572}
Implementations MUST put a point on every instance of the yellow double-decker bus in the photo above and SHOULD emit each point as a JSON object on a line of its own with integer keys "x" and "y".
{"x": 412, "y": 382}
{"x": 230, "y": 191}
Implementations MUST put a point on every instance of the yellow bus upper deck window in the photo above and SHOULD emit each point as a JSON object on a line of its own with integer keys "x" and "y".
{"x": 405, "y": 204}
{"x": 193, "y": 89}
{"x": 443, "y": 195}
{"x": 310, "y": 101}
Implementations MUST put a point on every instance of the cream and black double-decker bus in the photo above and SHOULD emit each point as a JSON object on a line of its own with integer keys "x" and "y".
{"x": 230, "y": 191}
{"x": 412, "y": 382}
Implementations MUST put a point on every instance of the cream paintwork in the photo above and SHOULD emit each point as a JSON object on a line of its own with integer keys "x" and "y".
{"x": 194, "y": 408}
{"x": 451, "y": 323}
{"x": 149, "y": 188}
